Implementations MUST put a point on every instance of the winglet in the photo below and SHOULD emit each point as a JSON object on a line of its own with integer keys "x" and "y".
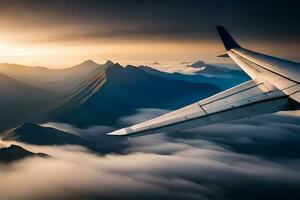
{"x": 226, "y": 38}
{"x": 223, "y": 55}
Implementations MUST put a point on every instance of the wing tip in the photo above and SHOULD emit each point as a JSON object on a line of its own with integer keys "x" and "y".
{"x": 119, "y": 132}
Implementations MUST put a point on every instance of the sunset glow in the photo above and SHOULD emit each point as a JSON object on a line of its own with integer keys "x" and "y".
{"x": 60, "y": 35}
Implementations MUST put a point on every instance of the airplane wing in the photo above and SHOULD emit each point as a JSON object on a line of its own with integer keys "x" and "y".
{"x": 274, "y": 87}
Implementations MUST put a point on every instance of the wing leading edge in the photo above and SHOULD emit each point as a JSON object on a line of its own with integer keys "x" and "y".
{"x": 271, "y": 89}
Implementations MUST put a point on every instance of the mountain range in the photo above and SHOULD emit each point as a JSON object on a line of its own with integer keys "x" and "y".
{"x": 91, "y": 94}
{"x": 129, "y": 88}
{"x": 222, "y": 77}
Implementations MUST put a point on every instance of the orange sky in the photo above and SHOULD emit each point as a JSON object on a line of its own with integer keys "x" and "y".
{"x": 58, "y": 34}
{"x": 57, "y": 54}
{"x": 64, "y": 54}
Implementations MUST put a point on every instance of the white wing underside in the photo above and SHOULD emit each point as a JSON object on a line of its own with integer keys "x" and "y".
{"x": 275, "y": 82}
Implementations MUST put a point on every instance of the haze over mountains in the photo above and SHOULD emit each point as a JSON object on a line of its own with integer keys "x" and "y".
{"x": 90, "y": 93}
{"x": 30, "y": 92}
{"x": 220, "y": 76}
{"x": 129, "y": 88}
{"x": 221, "y": 71}
{"x": 216, "y": 71}
{"x": 21, "y": 100}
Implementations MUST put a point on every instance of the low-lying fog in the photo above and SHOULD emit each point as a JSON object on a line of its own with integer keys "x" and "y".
{"x": 256, "y": 158}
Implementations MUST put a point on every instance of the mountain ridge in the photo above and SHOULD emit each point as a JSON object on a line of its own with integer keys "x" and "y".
{"x": 129, "y": 88}
{"x": 120, "y": 89}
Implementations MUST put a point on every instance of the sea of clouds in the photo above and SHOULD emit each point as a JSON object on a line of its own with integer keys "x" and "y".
{"x": 256, "y": 158}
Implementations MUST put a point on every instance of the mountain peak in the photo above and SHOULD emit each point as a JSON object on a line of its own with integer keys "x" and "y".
{"x": 198, "y": 64}
{"x": 89, "y": 62}
{"x": 14, "y": 152}
{"x": 109, "y": 63}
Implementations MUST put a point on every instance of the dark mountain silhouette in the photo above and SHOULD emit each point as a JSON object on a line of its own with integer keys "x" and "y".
{"x": 129, "y": 88}
{"x": 34, "y": 134}
{"x": 14, "y": 153}
{"x": 198, "y": 64}
{"x": 38, "y": 135}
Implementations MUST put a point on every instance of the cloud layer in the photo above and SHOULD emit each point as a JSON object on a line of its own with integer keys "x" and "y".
{"x": 247, "y": 159}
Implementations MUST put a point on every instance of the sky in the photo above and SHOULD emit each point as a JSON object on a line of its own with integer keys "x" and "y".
{"x": 62, "y": 33}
